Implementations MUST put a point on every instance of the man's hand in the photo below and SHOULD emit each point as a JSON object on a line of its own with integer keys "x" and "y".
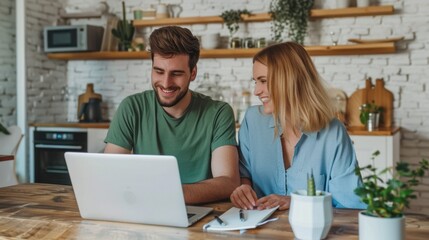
{"x": 274, "y": 200}
{"x": 244, "y": 197}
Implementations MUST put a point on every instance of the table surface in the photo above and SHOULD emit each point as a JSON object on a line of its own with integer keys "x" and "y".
{"x": 36, "y": 211}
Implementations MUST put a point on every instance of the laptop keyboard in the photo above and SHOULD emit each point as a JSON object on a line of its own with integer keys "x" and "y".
{"x": 190, "y": 215}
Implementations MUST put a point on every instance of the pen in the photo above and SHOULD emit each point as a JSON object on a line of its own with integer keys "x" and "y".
{"x": 242, "y": 218}
{"x": 222, "y": 223}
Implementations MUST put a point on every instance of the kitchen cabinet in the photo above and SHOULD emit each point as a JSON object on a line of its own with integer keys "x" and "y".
{"x": 388, "y": 145}
{"x": 352, "y": 49}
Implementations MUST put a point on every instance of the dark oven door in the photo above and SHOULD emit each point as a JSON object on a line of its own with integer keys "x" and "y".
{"x": 49, "y": 149}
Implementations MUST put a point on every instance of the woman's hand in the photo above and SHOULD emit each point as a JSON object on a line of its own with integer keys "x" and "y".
{"x": 274, "y": 200}
{"x": 244, "y": 197}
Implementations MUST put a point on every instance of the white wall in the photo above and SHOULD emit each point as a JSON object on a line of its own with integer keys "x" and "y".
{"x": 405, "y": 72}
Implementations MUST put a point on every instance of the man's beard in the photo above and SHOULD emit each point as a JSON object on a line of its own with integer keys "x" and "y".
{"x": 181, "y": 95}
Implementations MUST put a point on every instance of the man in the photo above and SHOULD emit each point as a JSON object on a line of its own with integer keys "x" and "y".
{"x": 173, "y": 120}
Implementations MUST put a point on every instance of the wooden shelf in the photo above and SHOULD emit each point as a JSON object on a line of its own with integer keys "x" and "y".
{"x": 352, "y": 49}
{"x": 99, "y": 55}
{"x": 262, "y": 17}
{"x": 352, "y": 12}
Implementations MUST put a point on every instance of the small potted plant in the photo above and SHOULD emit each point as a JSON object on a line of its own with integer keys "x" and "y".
{"x": 310, "y": 214}
{"x": 370, "y": 115}
{"x": 124, "y": 31}
{"x": 386, "y": 201}
{"x": 293, "y": 14}
{"x": 232, "y": 18}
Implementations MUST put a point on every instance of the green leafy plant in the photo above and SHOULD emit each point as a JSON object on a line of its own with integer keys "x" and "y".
{"x": 366, "y": 109}
{"x": 232, "y": 19}
{"x": 293, "y": 14}
{"x": 389, "y": 199}
{"x": 124, "y": 30}
{"x": 3, "y": 129}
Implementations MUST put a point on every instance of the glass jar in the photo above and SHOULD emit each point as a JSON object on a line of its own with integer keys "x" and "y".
{"x": 243, "y": 104}
{"x": 248, "y": 43}
{"x": 260, "y": 43}
{"x": 235, "y": 42}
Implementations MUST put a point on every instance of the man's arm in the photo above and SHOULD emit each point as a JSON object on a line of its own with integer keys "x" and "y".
{"x": 225, "y": 179}
{"x": 112, "y": 148}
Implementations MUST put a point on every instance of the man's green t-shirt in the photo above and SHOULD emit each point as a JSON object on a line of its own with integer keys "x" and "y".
{"x": 141, "y": 124}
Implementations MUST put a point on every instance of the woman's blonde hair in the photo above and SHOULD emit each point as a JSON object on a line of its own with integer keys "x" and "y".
{"x": 296, "y": 90}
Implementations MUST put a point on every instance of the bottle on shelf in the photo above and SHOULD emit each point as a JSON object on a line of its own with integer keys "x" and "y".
{"x": 242, "y": 105}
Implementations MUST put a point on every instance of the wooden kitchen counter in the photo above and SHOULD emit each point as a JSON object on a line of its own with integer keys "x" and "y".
{"x": 36, "y": 211}
{"x": 383, "y": 131}
{"x": 6, "y": 157}
{"x": 72, "y": 125}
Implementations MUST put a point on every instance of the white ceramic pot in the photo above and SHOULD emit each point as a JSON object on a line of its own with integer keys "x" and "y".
{"x": 362, "y": 3}
{"x": 376, "y": 228}
{"x": 310, "y": 216}
{"x": 343, "y": 3}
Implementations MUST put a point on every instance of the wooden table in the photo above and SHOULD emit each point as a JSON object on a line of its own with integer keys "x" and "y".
{"x": 36, "y": 211}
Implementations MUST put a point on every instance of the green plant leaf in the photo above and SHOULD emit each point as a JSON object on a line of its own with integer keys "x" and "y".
{"x": 389, "y": 199}
{"x": 292, "y": 15}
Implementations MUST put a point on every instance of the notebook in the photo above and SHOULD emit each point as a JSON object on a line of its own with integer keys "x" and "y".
{"x": 231, "y": 219}
{"x": 130, "y": 188}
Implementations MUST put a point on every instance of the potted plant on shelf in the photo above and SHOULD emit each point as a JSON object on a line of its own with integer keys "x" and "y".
{"x": 386, "y": 202}
{"x": 124, "y": 31}
{"x": 293, "y": 14}
{"x": 310, "y": 214}
{"x": 232, "y": 18}
{"x": 370, "y": 115}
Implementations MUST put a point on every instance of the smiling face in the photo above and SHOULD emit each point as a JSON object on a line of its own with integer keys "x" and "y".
{"x": 260, "y": 72}
{"x": 171, "y": 77}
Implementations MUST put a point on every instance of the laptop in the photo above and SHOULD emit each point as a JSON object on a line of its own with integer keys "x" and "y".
{"x": 130, "y": 188}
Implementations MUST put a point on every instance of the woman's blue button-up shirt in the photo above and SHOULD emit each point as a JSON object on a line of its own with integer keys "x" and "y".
{"x": 329, "y": 152}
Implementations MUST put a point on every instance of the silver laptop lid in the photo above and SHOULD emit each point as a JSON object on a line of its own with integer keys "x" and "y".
{"x": 128, "y": 188}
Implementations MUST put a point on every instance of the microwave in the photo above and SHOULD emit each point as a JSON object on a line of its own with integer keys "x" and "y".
{"x": 72, "y": 38}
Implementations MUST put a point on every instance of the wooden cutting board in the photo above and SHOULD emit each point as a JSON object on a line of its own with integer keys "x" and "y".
{"x": 377, "y": 94}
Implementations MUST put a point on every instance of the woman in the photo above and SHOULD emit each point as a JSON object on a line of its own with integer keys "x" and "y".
{"x": 293, "y": 133}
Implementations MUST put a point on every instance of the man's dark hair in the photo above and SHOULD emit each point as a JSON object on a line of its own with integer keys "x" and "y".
{"x": 172, "y": 40}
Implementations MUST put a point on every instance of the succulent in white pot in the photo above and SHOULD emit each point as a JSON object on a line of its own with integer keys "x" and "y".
{"x": 310, "y": 214}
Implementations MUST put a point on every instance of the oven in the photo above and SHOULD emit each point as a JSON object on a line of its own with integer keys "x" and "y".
{"x": 50, "y": 144}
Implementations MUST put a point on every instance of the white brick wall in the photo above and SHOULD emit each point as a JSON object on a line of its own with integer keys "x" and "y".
{"x": 7, "y": 63}
{"x": 47, "y": 96}
{"x": 405, "y": 72}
